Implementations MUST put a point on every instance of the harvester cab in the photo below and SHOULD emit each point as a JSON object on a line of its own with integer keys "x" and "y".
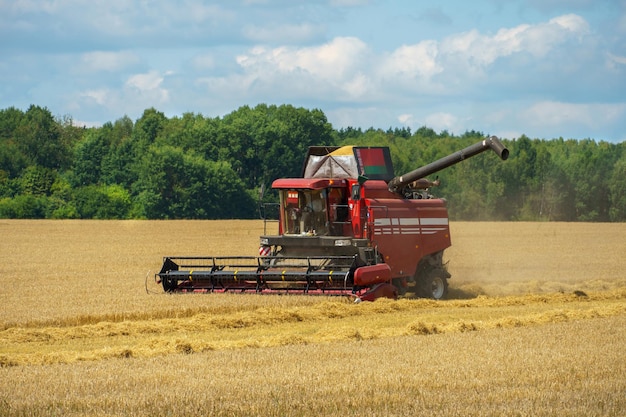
{"x": 347, "y": 226}
{"x": 322, "y": 202}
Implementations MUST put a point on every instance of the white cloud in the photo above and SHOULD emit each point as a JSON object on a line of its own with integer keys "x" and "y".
{"x": 99, "y": 96}
{"x": 284, "y": 59}
{"x": 572, "y": 22}
{"x": 140, "y": 91}
{"x": 413, "y": 61}
{"x": 338, "y": 59}
{"x": 478, "y": 51}
{"x": 338, "y": 64}
{"x": 612, "y": 60}
{"x": 348, "y": 69}
{"x": 84, "y": 123}
{"x": 442, "y": 121}
{"x": 377, "y": 65}
{"x": 406, "y": 119}
{"x": 108, "y": 61}
{"x": 145, "y": 90}
{"x": 363, "y": 116}
{"x": 66, "y": 25}
{"x": 549, "y": 114}
{"x": 145, "y": 82}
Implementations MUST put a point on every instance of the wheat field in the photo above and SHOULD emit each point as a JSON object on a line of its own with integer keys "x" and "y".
{"x": 85, "y": 330}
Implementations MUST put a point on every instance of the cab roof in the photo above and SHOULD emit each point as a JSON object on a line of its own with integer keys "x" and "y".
{"x": 308, "y": 183}
{"x": 374, "y": 162}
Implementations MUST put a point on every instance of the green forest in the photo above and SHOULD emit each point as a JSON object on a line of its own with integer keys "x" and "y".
{"x": 197, "y": 167}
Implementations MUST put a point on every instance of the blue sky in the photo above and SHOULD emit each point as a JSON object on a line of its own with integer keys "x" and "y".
{"x": 544, "y": 68}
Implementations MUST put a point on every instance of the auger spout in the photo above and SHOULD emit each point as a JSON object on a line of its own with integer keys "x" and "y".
{"x": 492, "y": 142}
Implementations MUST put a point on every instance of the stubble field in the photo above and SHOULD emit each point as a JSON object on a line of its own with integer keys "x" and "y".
{"x": 85, "y": 331}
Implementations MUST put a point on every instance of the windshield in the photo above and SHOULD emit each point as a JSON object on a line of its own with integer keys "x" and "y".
{"x": 304, "y": 212}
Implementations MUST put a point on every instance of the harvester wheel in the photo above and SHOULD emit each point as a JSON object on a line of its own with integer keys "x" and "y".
{"x": 435, "y": 286}
{"x": 431, "y": 277}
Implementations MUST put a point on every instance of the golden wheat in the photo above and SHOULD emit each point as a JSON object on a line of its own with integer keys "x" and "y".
{"x": 324, "y": 322}
{"x": 566, "y": 369}
{"x": 80, "y": 335}
{"x": 57, "y": 272}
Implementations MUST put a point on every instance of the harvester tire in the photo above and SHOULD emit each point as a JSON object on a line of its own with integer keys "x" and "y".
{"x": 438, "y": 288}
{"x": 434, "y": 286}
{"x": 431, "y": 277}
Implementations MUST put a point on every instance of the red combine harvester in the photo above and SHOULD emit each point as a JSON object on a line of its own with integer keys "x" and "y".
{"x": 347, "y": 227}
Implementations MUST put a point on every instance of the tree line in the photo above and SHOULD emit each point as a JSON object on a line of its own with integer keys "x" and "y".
{"x": 197, "y": 167}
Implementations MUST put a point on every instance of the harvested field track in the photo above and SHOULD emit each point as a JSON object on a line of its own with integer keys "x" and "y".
{"x": 536, "y": 326}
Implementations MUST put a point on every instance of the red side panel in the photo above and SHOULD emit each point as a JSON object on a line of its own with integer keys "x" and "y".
{"x": 372, "y": 274}
{"x": 407, "y": 230}
{"x": 384, "y": 290}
